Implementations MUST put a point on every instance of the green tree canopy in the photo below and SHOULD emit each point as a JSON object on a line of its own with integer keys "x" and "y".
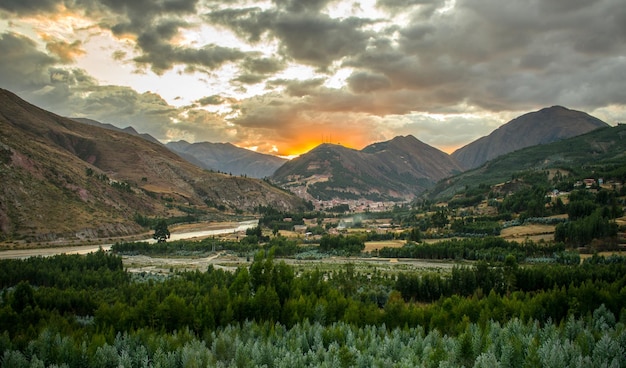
{"x": 161, "y": 232}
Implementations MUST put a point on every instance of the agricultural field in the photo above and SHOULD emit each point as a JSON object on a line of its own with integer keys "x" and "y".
{"x": 534, "y": 232}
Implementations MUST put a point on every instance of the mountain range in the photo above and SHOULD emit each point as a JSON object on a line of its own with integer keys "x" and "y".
{"x": 585, "y": 154}
{"x": 398, "y": 169}
{"x": 547, "y": 125}
{"x": 404, "y": 167}
{"x": 221, "y": 157}
{"x": 394, "y": 170}
{"x": 228, "y": 158}
{"x": 129, "y": 130}
{"x": 80, "y": 179}
{"x": 62, "y": 179}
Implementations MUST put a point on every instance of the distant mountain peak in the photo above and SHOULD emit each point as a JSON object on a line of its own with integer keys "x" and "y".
{"x": 547, "y": 125}
{"x": 391, "y": 170}
{"x": 228, "y": 158}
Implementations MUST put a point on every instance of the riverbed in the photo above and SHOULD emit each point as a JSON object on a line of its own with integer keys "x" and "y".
{"x": 198, "y": 232}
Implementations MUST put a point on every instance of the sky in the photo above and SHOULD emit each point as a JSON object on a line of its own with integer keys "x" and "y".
{"x": 283, "y": 76}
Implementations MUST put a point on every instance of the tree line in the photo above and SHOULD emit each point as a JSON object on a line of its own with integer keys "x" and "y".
{"x": 486, "y": 249}
{"x": 62, "y": 294}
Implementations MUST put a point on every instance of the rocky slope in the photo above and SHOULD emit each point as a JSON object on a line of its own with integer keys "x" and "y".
{"x": 62, "y": 179}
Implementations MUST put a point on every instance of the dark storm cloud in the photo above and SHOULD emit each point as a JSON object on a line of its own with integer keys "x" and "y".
{"x": 155, "y": 25}
{"x": 297, "y": 6}
{"x": 319, "y": 40}
{"x": 361, "y": 82}
{"x": 482, "y": 52}
{"x": 449, "y": 55}
{"x": 22, "y": 65}
{"x": 141, "y": 13}
{"x": 298, "y": 88}
{"x": 23, "y": 7}
{"x": 396, "y": 6}
{"x": 262, "y": 65}
{"x": 248, "y": 23}
{"x": 501, "y": 56}
{"x": 308, "y": 37}
{"x": 162, "y": 56}
{"x": 248, "y": 78}
{"x": 257, "y": 69}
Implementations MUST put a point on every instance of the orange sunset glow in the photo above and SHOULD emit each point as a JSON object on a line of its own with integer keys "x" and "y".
{"x": 282, "y": 77}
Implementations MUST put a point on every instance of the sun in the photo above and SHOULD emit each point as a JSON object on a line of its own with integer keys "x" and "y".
{"x": 297, "y": 149}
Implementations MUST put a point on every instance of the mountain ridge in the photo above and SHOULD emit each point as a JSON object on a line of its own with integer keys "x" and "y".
{"x": 63, "y": 179}
{"x": 397, "y": 169}
{"x": 228, "y": 158}
{"x": 602, "y": 146}
{"x": 129, "y": 129}
{"x": 546, "y": 125}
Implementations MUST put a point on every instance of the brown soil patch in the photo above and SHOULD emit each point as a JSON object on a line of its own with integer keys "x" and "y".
{"x": 183, "y": 228}
{"x": 377, "y": 245}
{"x": 532, "y": 232}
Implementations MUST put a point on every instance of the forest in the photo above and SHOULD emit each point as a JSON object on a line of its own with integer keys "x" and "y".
{"x": 74, "y": 311}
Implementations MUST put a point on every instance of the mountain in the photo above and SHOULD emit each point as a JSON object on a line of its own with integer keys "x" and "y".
{"x": 129, "y": 130}
{"x": 602, "y": 150}
{"x": 398, "y": 169}
{"x": 62, "y": 179}
{"x": 547, "y": 125}
{"x": 227, "y": 158}
{"x": 221, "y": 157}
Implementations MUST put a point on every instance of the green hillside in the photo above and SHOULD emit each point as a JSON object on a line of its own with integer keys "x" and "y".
{"x": 601, "y": 153}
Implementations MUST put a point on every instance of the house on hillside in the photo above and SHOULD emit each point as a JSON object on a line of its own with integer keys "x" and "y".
{"x": 589, "y": 182}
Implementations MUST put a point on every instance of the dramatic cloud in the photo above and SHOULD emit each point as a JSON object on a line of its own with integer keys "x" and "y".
{"x": 285, "y": 75}
{"x": 27, "y": 7}
{"x": 22, "y": 66}
{"x": 66, "y": 52}
{"x": 307, "y": 37}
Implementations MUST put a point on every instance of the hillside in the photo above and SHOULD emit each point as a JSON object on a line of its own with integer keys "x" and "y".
{"x": 540, "y": 127}
{"x": 129, "y": 130}
{"x": 398, "y": 169}
{"x": 62, "y": 179}
{"x": 227, "y": 158}
{"x": 603, "y": 148}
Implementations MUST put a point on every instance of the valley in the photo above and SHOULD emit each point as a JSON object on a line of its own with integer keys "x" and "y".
{"x": 116, "y": 251}
{"x": 312, "y": 183}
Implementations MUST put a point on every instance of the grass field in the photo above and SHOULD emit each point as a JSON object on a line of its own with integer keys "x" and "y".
{"x": 377, "y": 245}
{"x": 534, "y": 232}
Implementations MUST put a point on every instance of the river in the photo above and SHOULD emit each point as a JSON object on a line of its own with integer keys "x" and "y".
{"x": 84, "y": 249}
